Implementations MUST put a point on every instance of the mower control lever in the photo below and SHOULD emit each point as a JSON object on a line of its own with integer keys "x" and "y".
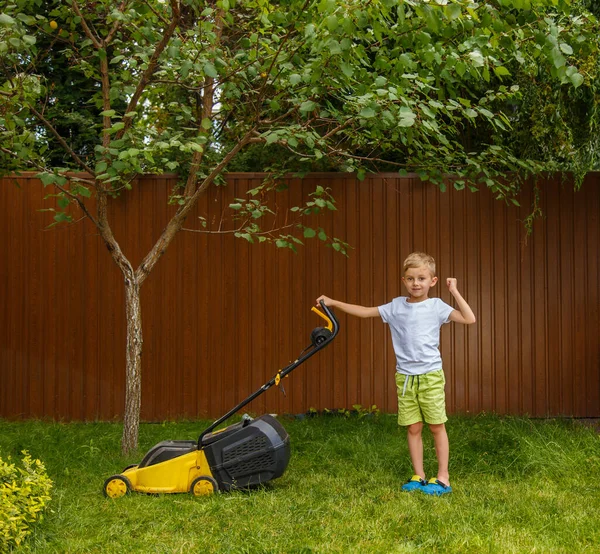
{"x": 320, "y": 338}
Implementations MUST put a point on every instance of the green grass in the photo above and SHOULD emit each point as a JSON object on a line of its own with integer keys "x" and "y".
{"x": 519, "y": 486}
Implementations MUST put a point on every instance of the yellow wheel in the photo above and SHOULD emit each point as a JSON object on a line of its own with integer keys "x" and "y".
{"x": 203, "y": 486}
{"x": 116, "y": 486}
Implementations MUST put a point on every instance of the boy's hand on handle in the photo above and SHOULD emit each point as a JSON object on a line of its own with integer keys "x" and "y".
{"x": 326, "y": 300}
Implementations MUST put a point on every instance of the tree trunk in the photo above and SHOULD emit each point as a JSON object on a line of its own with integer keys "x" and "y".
{"x": 133, "y": 379}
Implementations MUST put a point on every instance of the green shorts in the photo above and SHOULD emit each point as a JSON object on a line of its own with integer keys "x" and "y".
{"x": 422, "y": 399}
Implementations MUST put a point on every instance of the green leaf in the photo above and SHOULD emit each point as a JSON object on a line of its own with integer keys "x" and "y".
{"x": 27, "y": 19}
{"x": 566, "y": 49}
{"x": 309, "y": 233}
{"x": 347, "y": 69}
{"x": 501, "y": 71}
{"x": 407, "y": 117}
{"x": 453, "y": 11}
{"x": 307, "y": 106}
{"x": 557, "y": 58}
{"x": 84, "y": 191}
{"x": 206, "y": 124}
{"x": 476, "y": 58}
{"x": 246, "y": 236}
{"x": 209, "y": 69}
{"x": 108, "y": 113}
{"x": 367, "y": 113}
{"x": 46, "y": 178}
{"x": 332, "y": 22}
{"x": 6, "y": 19}
{"x": 62, "y": 217}
{"x": 577, "y": 79}
{"x": 272, "y": 137}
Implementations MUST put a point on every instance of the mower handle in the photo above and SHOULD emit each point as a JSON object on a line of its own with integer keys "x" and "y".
{"x": 332, "y": 325}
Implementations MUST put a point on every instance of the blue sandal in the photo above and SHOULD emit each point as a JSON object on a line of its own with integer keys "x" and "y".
{"x": 415, "y": 482}
{"x": 436, "y": 488}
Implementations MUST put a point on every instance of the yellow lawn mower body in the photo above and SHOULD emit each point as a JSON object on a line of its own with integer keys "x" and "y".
{"x": 242, "y": 455}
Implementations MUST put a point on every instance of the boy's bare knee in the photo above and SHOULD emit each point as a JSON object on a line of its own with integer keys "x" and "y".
{"x": 437, "y": 428}
{"x": 415, "y": 428}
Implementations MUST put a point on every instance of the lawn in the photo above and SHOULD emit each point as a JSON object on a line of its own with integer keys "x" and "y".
{"x": 520, "y": 485}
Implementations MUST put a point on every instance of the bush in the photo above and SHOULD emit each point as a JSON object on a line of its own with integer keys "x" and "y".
{"x": 24, "y": 493}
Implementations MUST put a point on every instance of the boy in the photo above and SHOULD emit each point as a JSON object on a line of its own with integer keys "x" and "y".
{"x": 415, "y": 323}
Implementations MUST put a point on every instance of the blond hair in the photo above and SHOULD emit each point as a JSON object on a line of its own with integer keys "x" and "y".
{"x": 418, "y": 259}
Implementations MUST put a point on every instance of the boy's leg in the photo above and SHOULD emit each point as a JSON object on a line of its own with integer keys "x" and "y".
{"x": 409, "y": 416}
{"x": 415, "y": 447}
{"x": 432, "y": 401}
{"x": 442, "y": 451}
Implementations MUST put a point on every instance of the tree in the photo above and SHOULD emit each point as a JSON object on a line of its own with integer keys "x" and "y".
{"x": 429, "y": 86}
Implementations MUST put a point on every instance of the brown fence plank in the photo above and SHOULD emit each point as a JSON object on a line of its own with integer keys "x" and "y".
{"x": 221, "y": 317}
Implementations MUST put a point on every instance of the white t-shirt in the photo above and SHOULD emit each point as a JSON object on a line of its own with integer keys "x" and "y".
{"x": 415, "y": 329}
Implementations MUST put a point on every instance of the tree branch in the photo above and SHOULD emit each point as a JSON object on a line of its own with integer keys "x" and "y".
{"x": 180, "y": 216}
{"x": 241, "y": 228}
{"x": 156, "y": 12}
{"x": 109, "y": 239}
{"x": 206, "y": 113}
{"x": 62, "y": 141}
{"x": 95, "y": 40}
{"x": 145, "y": 79}
{"x": 79, "y": 202}
{"x": 116, "y": 24}
{"x": 67, "y": 192}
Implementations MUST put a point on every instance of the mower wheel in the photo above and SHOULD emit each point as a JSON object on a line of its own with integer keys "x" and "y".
{"x": 203, "y": 486}
{"x": 117, "y": 486}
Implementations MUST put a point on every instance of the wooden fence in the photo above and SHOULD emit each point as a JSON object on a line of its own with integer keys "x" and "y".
{"x": 221, "y": 316}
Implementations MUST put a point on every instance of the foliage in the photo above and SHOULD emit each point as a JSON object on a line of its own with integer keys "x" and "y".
{"x": 515, "y": 490}
{"x": 24, "y": 494}
{"x": 444, "y": 87}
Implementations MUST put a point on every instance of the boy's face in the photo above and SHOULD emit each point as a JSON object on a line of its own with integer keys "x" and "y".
{"x": 418, "y": 281}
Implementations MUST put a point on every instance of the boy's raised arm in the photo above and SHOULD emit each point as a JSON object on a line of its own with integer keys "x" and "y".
{"x": 464, "y": 313}
{"x": 352, "y": 309}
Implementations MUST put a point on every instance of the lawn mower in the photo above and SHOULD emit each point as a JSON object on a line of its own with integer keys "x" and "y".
{"x": 240, "y": 456}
